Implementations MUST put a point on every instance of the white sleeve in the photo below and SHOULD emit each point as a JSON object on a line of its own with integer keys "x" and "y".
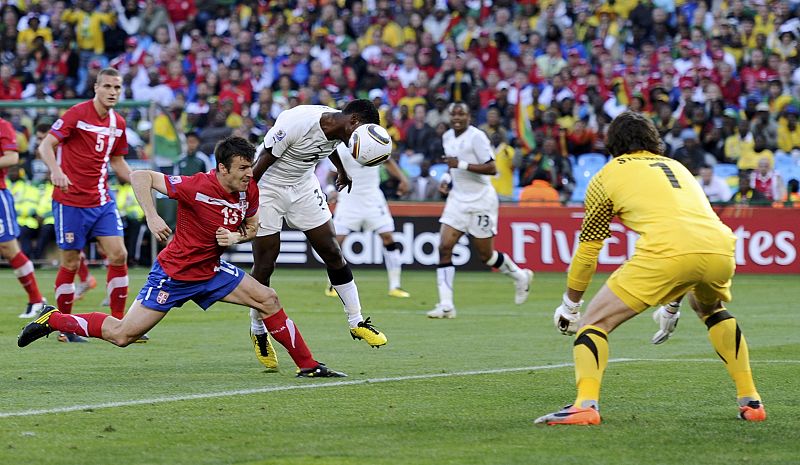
{"x": 482, "y": 147}
{"x": 280, "y": 137}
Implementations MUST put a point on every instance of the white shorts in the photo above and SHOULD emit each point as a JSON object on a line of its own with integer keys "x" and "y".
{"x": 303, "y": 206}
{"x": 368, "y": 212}
{"x": 478, "y": 219}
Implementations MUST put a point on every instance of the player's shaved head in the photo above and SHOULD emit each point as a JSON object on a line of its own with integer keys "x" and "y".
{"x": 365, "y": 111}
{"x": 108, "y": 72}
{"x": 233, "y": 146}
{"x": 633, "y": 132}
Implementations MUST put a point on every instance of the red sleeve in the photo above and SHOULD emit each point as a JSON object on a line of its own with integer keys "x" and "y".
{"x": 252, "y": 199}
{"x": 121, "y": 145}
{"x": 8, "y": 138}
{"x": 178, "y": 187}
{"x": 64, "y": 126}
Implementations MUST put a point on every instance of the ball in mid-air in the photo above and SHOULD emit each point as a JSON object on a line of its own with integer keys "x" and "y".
{"x": 370, "y": 145}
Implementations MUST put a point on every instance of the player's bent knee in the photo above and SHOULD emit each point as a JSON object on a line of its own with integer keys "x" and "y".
{"x": 268, "y": 302}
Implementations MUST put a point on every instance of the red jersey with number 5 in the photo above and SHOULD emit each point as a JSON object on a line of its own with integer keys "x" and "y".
{"x": 203, "y": 206}
{"x": 8, "y": 143}
{"x": 87, "y": 144}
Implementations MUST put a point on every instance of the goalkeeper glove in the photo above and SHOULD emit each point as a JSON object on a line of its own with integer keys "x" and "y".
{"x": 667, "y": 318}
{"x": 567, "y": 315}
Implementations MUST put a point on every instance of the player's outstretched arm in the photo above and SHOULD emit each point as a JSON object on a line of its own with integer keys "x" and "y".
{"x": 143, "y": 181}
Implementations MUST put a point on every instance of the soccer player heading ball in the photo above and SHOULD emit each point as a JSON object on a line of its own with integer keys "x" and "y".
{"x": 289, "y": 190}
{"x": 683, "y": 248}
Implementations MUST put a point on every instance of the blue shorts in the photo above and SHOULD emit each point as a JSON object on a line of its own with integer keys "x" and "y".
{"x": 9, "y": 228}
{"x": 74, "y": 225}
{"x": 161, "y": 292}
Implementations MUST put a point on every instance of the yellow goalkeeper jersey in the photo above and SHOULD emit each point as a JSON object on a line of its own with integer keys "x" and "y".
{"x": 658, "y": 198}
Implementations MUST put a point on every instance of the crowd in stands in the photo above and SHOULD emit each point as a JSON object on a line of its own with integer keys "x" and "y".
{"x": 720, "y": 78}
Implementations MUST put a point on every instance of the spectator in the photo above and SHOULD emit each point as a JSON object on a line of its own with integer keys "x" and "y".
{"x": 438, "y": 114}
{"x": 147, "y": 86}
{"x": 504, "y": 156}
{"x": 767, "y": 181}
{"x": 762, "y": 124}
{"x": 34, "y": 30}
{"x": 26, "y": 198}
{"x": 540, "y": 192}
{"x": 493, "y": 125}
{"x": 692, "y": 155}
{"x": 793, "y": 192}
{"x": 789, "y": 130}
{"x": 418, "y": 137}
{"x": 423, "y": 187}
{"x": 715, "y": 188}
{"x": 751, "y": 156}
{"x": 746, "y": 195}
{"x": 194, "y": 161}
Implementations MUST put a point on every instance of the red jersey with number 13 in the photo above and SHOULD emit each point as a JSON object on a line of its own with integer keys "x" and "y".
{"x": 87, "y": 143}
{"x": 203, "y": 206}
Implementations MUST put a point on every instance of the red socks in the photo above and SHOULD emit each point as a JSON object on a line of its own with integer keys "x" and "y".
{"x": 65, "y": 290}
{"x": 117, "y": 279}
{"x": 23, "y": 269}
{"x": 286, "y": 333}
{"x": 82, "y": 324}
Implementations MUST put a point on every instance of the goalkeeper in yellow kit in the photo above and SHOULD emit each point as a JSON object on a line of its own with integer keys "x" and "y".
{"x": 683, "y": 248}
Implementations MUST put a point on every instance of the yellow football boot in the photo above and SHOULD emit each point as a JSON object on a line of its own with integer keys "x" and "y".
{"x": 399, "y": 293}
{"x": 265, "y": 353}
{"x": 368, "y": 334}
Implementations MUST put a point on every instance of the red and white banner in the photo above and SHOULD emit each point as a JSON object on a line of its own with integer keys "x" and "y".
{"x": 544, "y": 239}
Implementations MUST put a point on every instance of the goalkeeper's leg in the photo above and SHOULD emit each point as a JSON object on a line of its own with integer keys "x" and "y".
{"x": 728, "y": 341}
{"x": 590, "y": 352}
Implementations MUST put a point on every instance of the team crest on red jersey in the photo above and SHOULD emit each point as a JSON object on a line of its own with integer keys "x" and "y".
{"x": 162, "y": 297}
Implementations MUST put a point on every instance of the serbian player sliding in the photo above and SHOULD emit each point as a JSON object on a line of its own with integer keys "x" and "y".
{"x": 215, "y": 210}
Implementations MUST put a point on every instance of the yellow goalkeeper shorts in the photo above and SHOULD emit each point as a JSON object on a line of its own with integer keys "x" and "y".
{"x": 644, "y": 282}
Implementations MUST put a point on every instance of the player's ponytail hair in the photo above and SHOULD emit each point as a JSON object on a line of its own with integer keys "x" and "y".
{"x": 233, "y": 146}
{"x": 633, "y": 132}
{"x": 365, "y": 110}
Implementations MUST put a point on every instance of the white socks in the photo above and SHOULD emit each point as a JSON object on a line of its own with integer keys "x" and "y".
{"x": 506, "y": 266}
{"x": 257, "y": 325}
{"x": 348, "y": 292}
{"x": 391, "y": 259}
{"x": 444, "y": 281}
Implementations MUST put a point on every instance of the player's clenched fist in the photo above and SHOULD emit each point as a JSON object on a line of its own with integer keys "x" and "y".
{"x": 60, "y": 180}
{"x": 227, "y": 238}
{"x": 159, "y": 228}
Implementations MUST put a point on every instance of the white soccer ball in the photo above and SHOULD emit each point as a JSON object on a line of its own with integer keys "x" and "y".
{"x": 370, "y": 145}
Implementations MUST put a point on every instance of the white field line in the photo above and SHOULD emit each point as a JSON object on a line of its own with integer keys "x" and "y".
{"x": 355, "y": 382}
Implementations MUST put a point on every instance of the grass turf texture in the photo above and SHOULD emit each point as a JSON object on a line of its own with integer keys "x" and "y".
{"x": 672, "y": 403}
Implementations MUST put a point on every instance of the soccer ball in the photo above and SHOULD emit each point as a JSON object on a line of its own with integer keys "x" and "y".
{"x": 370, "y": 145}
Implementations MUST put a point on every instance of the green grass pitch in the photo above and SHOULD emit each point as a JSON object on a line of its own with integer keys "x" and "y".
{"x": 461, "y": 391}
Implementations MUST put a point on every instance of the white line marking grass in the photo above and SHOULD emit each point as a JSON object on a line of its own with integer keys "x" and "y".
{"x": 355, "y": 382}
